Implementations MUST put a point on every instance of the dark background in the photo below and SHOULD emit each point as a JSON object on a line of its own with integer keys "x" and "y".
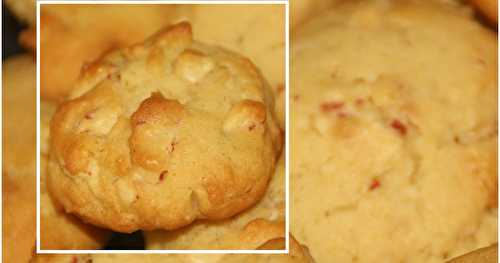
{"x": 10, "y": 32}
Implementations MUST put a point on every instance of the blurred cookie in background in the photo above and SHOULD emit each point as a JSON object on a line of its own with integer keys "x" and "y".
{"x": 393, "y": 132}
{"x": 18, "y": 172}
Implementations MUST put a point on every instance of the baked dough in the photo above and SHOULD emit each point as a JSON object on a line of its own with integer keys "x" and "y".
{"x": 248, "y": 230}
{"x": 18, "y": 172}
{"x": 393, "y": 131}
{"x": 162, "y": 133}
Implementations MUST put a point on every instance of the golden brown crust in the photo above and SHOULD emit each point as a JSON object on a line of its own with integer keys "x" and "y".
{"x": 143, "y": 135}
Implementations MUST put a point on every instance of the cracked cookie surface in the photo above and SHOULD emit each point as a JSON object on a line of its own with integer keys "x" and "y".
{"x": 163, "y": 133}
{"x": 393, "y": 131}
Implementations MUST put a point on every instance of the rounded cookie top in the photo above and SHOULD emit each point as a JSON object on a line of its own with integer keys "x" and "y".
{"x": 393, "y": 131}
{"x": 162, "y": 133}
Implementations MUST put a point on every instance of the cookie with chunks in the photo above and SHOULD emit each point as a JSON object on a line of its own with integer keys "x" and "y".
{"x": 393, "y": 131}
{"x": 163, "y": 133}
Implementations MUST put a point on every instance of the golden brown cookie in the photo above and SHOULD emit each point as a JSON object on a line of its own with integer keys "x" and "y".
{"x": 297, "y": 254}
{"x": 488, "y": 8}
{"x": 163, "y": 133}
{"x": 483, "y": 255}
{"x": 18, "y": 174}
{"x": 248, "y": 230}
{"x": 59, "y": 230}
{"x": 393, "y": 131}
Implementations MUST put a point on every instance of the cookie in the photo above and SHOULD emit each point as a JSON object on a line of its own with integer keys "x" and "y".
{"x": 163, "y": 133}
{"x": 483, "y": 255}
{"x": 298, "y": 254}
{"x": 59, "y": 230}
{"x": 488, "y": 8}
{"x": 25, "y": 10}
{"x": 111, "y": 27}
{"x": 18, "y": 172}
{"x": 393, "y": 131}
{"x": 248, "y": 230}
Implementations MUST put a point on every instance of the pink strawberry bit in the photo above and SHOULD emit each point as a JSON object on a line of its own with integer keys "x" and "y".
{"x": 331, "y": 106}
{"x": 375, "y": 184}
{"x": 399, "y": 126}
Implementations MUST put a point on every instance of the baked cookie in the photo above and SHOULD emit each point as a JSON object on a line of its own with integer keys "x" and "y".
{"x": 248, "y": 230}
{"x": 488, "y": 8}
{"x": 59, "y": 230}
{"x": 393, "y": 131}
{"x": 483, "y": 255}
{"x": 298, "y": 254}
{"x": 66, "y": 44}
{"x": 163, "y": 133}
{"x": 18, "y": 172}
{"x": 25, "y": 10}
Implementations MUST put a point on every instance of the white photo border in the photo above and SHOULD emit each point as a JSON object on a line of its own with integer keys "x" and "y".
{"x": 286, "y": 148}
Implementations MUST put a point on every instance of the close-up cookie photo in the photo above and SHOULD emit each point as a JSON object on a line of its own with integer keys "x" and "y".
{"x": 159, "y": 133}
{"x": 178, "y": 132}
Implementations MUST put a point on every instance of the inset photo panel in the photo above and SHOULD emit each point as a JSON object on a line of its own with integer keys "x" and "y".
{"x": 160, "y": 129}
